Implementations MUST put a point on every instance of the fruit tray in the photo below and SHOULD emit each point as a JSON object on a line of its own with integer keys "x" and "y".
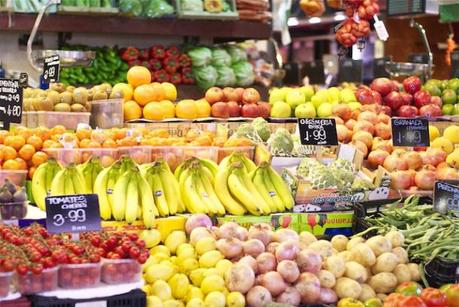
{"x": 17, "y": 177}
{"x": 78, "y": 276}
{"x": 248, "y": 151}
{"x": 70, "y": 120}
{"x": 14, "y": 210}
{"x": 32, "y": 283}
{"x": 107, "y": 114}
{"x": 5, "y": 282}
{"x": 119, "y": 271}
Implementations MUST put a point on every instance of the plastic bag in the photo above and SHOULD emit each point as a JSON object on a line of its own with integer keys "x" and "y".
{"x": 237, "y": 54}
{"x": 205, "y": 76}
{"x": 225, "y": 77}
{"x": 220, "y": 57}
{"x": 244, "y": 73}
{"x": 313, "y": 8}
{"x": 200, "y": 56}
{"x": 158, "y": 8}
{"x": 192, "y": 5}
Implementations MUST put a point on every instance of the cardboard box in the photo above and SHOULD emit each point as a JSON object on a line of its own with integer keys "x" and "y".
{"x": 277, "y": 220}
{"x": 326, "y": 224}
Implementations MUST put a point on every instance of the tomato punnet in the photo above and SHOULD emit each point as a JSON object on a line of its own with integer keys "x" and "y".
{"x": 412, "y": 301}
{"x": 434, "y": 297}
{"x": 409, "y": 288}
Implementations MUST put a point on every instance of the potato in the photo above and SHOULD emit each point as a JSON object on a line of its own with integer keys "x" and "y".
{"x": 354, "y": 241}
{"x": 346, "y": 287}
{"x": 401, "y": 253}
{"x": 379, "y": 245}
{"x": 306, "y": 238}
{"x": 327, "y": 279}
{"x": 323, "y": 247}
{"x": 383, "y": 282}
{"x": 363, "y": 254}
{"x": 402, "y": 272}
{"x": 356, "y": 271}
{"x": 414, "y": 271}
{"x": 346, "y": 255}
{"x": 367, "y": 293}
{"x": 381, "y": 296}
{"x": 339, "y": 242}
{"x": 395, "y": 237}
{"x": 386, "y": 262}
{"x": 335, "y": 265}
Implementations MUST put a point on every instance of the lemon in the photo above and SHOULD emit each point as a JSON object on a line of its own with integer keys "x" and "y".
{"x": 196, "y": 302}
{"x": 215, "y": 299}
{"x": 154, "y": 301}
{"x": 173, "y": 303}
{"x": 452, "y": 134}
{"x": 179, "y": 285}
{"x": 209, "y": 259}
{"x": 212, "y": 271}
{"x": 161, "y": 289}
{"x": 160, "y": 249}
{"x": 151, "y": 260}
{"x": 197, "y": 276}
{"x": 212, "y": 283}
{"x": 194, "y": 292}
{"x": 159, "y": 272}
{"x": 158, "y": 257}
{"x": 188, "y": 265}
{"x": 152, "y": 237}
{"x": 146, "y": 289}
{"x": 174, "y": 239}
{"x": 235, "y": 299}
{"x": 205, "y": 244}
{"x": 433, "y": 132}
{"x": 223, "y": 266}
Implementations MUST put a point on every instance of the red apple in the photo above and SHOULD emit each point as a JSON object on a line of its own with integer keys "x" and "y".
{"x": 377, "y": 98}
{"x": 407, "y": 98}
{"x": 238, "y": 91}
{"x": 412, "y": 84}
{"x": 220, "y": 110}
{"x": 430, "y": 110}
{"x": 213, "y": 95}
{"x": 264, "y": 109}
{"x": 249, "y": 110}
{"x": 230, "y": 94}
{"x": 250, "y": 95}
{"x": 421, "y": 98}
{"x": 436, "y": 100}
{"x": 364, "y": 95}
{"x": 234, "y": 109}
{"x": 393, "y": 100}
{"x": 407, "y": 111}
{"x": 382, "y": 85}
{"x": 386, "y": 110}
{"x": 396, "y": 86}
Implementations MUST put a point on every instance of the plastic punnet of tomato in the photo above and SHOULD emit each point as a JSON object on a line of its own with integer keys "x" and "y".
{"x": 78, "y": 276}
{"x": 118, "y": 271}
{"x": 409, "y": 288}
{"x": 5, "y": 282}
{"x": 31, "y": 283}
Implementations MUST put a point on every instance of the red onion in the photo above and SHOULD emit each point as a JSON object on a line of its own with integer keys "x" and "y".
{"x": 285, "y": 234}
{"x": 250, "y": 261}
{"x": 230, "y": 248}
{"x": 197, "y": 220}
{"x": 240, "y": 278}
{"x": 309, "y": 261}
{"x": 327, "y": 296}
{"x": 266, "y": 262}
{"x": 288, "y": 270}
{"x": 253, "y": 247}
{"x": 271, "y": 248}
{"x": 287, "y": 250}
{"x": 309, "y": 287}
{"x": 274, "y": 283}
{"x": 259, "y": 279}
{"x": 262, "y": 232}
{"x": 199, "y": 233}
{"x": 258, "y": 296}
{"x": 228, "y": 230}
{"x": 291, "y": 296}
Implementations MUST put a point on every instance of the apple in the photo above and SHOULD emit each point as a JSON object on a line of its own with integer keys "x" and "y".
{"x": 230, "y": 94}
{"x": 364, "y": 95}
{"x": 377, "y": 98}
{"x": 220, "y": 110}
{"x": 343, "y": 111}
{"x": 234, "y": 109}
{"x": 448, "y": 109}
{"x": 277, "y": 94}
{"x": 394, "y": 100}
{"x": 325, "y": 110}
{"x": 347, "y": 95}
{"x": 412, "y": 84}
{"x": 430, "y": 110}
{"x": 355, "y": 106}
{"x": 407, "y": 111}
{"x": 386, "y": 110}
{"x": 407, "y": 98}
{"x": 421, "y": 98}
{"x": 436, "y": 100}
{"x": 249, "y": 110}
{"x": 382, "y": 85}
{"x": 456, "y": 109}
{"x": 213, "y": 95}
{"x": 305, "y": 110}
{"x": 280, "y": 109}
{"x": 238, "y": 91}
{"x": 264, "y": 109}
{"x": 294, "y": 98}
{"x": 250, "y": 95}
{"x": 308, "y": 92}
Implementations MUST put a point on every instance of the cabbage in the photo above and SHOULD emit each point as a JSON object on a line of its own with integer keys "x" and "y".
{"x": 158, "y": 8}
{"x": 226, "y": 76}
{"x": 200, "y": 56}
{"x": 192, "y": 5}
{"x": 220, "y": 57}
{"x": 237, "y": 54}
{"x": 244, "y": 73}
{"x": 205, "y": 76}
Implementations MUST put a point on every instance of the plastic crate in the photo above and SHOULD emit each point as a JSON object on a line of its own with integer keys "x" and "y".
{"x": 207, "y": 152}
{"x": 134, "y": 298}
{"x": 31, "y": 283}
{"x": 14, "y": 210}
{"x": 65, "y": 155}
{"x": 107, "y": 113}
{"x": 440, "y": 271}
{"x": 78, "y": 276}
{"x": 140, "y": 154}
{"x": 173, "y": 155}
{"x": 248, "y": 151}
{"x": 5, "y": 283}
{"x": 18, "y": 177}
{"x": 69, "y": 120}
{"x": 106, "y": 155}
{"x": 119, "y": 271}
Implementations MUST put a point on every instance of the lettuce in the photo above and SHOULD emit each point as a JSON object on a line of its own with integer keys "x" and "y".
{"x": 205, "y": 76}
{"x": 237, "y": 54}
{"x": 220, "y": 57}
{"x": 225, "y": 77}
{"x": 244, "y": 73}
{"x": 200, "y": 56}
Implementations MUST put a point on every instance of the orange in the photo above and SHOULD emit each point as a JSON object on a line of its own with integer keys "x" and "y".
{"x": 109, "y": 144}
{"x": 58, "y": 129}
{"x": 94, "y": 144}
{"x": 131, "y": 110}
{"x": 15, "y": 141}
{"x": 203, "y": 108}
{"x": 85, "y": 143}
{"x": 69, "y": 138}
{"x": 48, "y": 144}
{"x": 154, "y": 111}
{"x": 12, "y": 165}
{"x": 138, "y": 75}
{"x": 170, "y": 91}
{"x": 83, "y": 134}
{"x": 186, "y": 109}
{"x": 9, "y": 153}
{"x": 22, "y": 163}
{"x": 158, "y": 92}
{"x": 35, "y": 141}
{"x": 42, "y": 132}
{"x": 39, "y": 157}
{"x": 144, "y": 94}
{"x": 26, "y": 152}
{"x": 169, "y": 108}
{"x": 3, "y": 135}
{"x": 1, "y": 155}
{"x": 127, "y": 141}
{"x": 127, "y": 90}
{"x": 32, "y": 170}
{"x": 24, "y": 132}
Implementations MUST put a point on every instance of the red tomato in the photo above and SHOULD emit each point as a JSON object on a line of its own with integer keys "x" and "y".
{"x": 412, "y": 301}
{"x": 452, "y": 295}
{"x": 393, "y": 300}
{"x": 433, "y": 297}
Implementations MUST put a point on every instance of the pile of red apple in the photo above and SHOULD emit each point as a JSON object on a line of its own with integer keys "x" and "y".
{"x": 403, "y": 100}
{"x": 236, "y": 102}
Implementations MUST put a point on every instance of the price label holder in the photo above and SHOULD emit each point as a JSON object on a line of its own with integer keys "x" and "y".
{"x": 350, "y": 71}
{"x": 446, "y": 197}
{"x": 455, "y": 64}
{"x": 10, "y": 102}
{"x": 51, "y": 67}
{"x": 72, "y": 213}
{"x": 410, "y": 132}
{"x": 318, "y": 131}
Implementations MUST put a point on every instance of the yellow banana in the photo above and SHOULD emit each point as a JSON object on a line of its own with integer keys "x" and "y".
{"x": 272, "y": 190}
{"x": 281, "y": 188}
{"x": 192, "y": 199}
{"x": 249, "y": 164}
{"x": 158, "y": 195}
{"x": 221, "y": 189}
{"x": 213, "y": 198}
{"x": 119, "y": 196}
{"x": 147, "y": 202}
{"x": 132, "y": 199}
{"x": 52, "y": 167}
{"x": 58, "y": 183}
{"x": 113, "y": 175}
{"x": 79, "y": 183}
{"x": 39, "y": 190}
{"x": 68, "y": 179}
{"x": 202, "y": 193}
{"x": 262, "y": 190}
{"x": 236, "y": 187}
{"x": 100, "y": 188}
{"x": 210, "y": 165}
{"x": 245, "y": 179}
{"x": 167, "y": 181}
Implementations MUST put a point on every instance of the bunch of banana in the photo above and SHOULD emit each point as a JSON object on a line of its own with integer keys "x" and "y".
{"x": 104, "y": 186}
{"x": 41, "y": 181}
{"x": 90, "y": 169}
{"x": 69, "y": 181}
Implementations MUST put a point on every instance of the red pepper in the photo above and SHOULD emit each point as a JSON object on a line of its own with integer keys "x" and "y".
{"x": 155, "y": 64}
{"x": 161, "y": 76}
{"x": 130, "y": 54}
{"x": 187, "y": 76}
{"x": 144, "y": 54}
{"x": 184, "y": 60}
{"x": 134, "y": 62}
{"x": 158, "y": 52}
{"x": 172, "y": 51}
{"x": 171, "y": 65}
{"x": 176, "y": 78}
{"x": 145, "y": 64}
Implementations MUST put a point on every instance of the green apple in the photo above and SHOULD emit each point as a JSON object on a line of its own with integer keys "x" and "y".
{"x": 308, "y": 92}
{"x": 347, "y": 95}
{"x": 447, "y": 109}
{"x": 456, "y": 109}
{"x": 319, "y": 98}
{"x": 305, "y": 110}
{"x": 281, "y": 109}
{"x": 277, "y": 94}
{"x": 433, "y": 89}
{"x": 448, "y": 96}
{"x": 325, "y": 110}
{"x": 453, "y": 84}
{"x": 294, "y": 98}
{"x": 355, "y": 105}
{"x": 333, "y": 94}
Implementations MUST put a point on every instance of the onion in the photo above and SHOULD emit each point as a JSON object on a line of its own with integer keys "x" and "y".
{"x": 228, "y": 230}
{"x": 287, "y": 250}
{"x": 291, "y": 296}
{"x": 306, "y": 238}
{"x": 285, "y": 234}
{"x": 258, "y": 296}
{"x": 274, "y": 283}
{"x": 253, "y": 247}
{"x": 197, "y": 220}
{"x": 309, "y": 287}
{"x": 266, "y": 262}
{"x": 199, "y": 233}
{"x": 327, "y": 296}
{"x": 259, "y": 279}
{"x": 271, "y": 248}
{"x": 230, "y": 248}
{"x": 240, "y": 277}
{"x": 309, "y": 261}
{"x": 242, "y": 233}
{"x": 250, "y": 261}
{"x": 262, "y": 232}
{"x": 289, "y": 271}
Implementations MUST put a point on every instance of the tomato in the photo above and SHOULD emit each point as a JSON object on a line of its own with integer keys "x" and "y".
{"x": 452, "y": 295}
{"x": 22, "y": 269}
{"x": 37, "y": 268}
{"x": 433, "y": 297}
{"x": 134, "y": 252}
{"x": 393, "y": 300}
{"x": 412, "y": 301}
{"x": 349, "y": 302}
{"x": 373, "y": 302}
{"x": 409, "y": 288}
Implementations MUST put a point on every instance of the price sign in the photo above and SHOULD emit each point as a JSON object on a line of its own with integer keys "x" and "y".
{"x": 318, "y": 131}
{"x": 446, "y": 197}
{"x": 72, "y": 213}
{"x": 10, "y": 102}
{"x": 51, "y": 69}
{"x": 410, "y": 132}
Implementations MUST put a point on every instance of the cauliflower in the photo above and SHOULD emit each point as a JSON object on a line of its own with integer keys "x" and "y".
{"x": 262, "y": 128}
{"x": 281, "y": 142}
{"x": 248, "y": 131}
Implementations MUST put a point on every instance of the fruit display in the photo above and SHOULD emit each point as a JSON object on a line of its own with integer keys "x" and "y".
{"x": 447, "y": 90}
{"x": 13, "y": 201}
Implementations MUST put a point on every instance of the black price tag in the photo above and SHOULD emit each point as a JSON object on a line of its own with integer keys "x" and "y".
{"x": 51, "y": 69}
{"x": 412, "y": 132}
{"x": 446, "y": 197}
{"x": 318, "y": 131}
{"x": 10, "y": 102}
{"x": 350, "y": 71}
{"x": 72, "y": 213}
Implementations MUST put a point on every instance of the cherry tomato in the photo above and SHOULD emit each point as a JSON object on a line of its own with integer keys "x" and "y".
{"x": 140, "y": 243}
{"x": 142, "y": 259}
{"x": 37, "y": 268}
{"x": 412, "y": 301}
{"x": 22, "y": 269}
{"x": 126, "y": 246}
{"x": 133, "y": 236}
{"x": 409, "y": 288}
{"x": 134, "y": 252}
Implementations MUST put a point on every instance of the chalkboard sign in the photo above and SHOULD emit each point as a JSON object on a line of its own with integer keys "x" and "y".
{"x": 446, "y": 197}
{"x": 455, "y": 64}
{"x": 405, "y": 7}
{"x": 410, "y": 132}
{"x": 51, "y": 69}
{"x": 10, "y": 102}
{"x": 314, "y": 70}
{"x": 318, "y": 131}
{"x": 350, "y": 71}
{"x": 379, "y": 68}
{"x": 72, "y": 213}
